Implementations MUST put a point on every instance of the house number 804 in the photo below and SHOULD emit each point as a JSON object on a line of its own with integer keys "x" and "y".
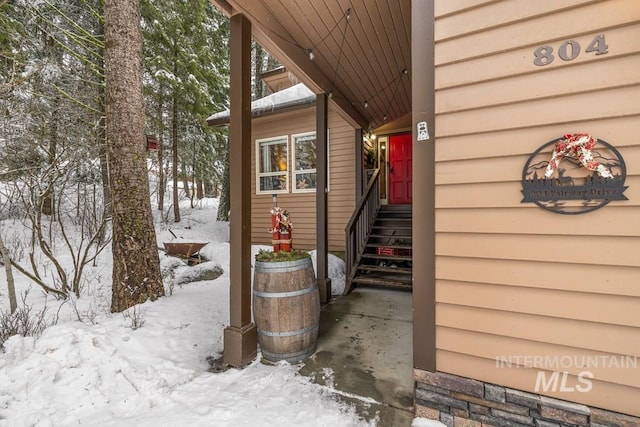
{"x": 569, "y": 50}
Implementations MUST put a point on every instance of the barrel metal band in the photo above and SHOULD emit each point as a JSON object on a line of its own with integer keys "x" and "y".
{"x": 304, "y": 291}
{"x": 283, "y": 267}
{"x": 289, "y": 357}
{"x": 287, "y": 333}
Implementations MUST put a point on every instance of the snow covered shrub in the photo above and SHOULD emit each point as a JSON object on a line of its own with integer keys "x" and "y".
{"x": 24, "y": 321}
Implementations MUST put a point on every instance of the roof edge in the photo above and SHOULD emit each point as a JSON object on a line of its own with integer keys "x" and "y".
{"x": 268, "y": 110}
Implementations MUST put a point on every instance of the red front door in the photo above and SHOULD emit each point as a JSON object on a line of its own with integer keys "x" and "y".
{"x": 400, "y": 181}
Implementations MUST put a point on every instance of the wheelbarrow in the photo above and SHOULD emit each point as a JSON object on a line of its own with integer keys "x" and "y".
{"x": 183, "y": 249}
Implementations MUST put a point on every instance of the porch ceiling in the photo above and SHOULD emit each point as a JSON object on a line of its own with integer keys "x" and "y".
{"x": 363, "y": 62}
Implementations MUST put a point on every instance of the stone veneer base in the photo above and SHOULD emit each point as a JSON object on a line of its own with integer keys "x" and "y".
{"x": 464, "y": 402}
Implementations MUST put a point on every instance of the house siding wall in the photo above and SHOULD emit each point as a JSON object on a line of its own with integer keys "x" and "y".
{"x": 512, "y": 278}
{"x": 302, "y": 206}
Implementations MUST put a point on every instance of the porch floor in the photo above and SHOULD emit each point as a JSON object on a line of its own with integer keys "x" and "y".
{"x": 366, "y": 341}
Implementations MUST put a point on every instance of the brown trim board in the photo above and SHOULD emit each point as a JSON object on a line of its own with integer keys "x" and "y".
{"x": 423, "y": 105}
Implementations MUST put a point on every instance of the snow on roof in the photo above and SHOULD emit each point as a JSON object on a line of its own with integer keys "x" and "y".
{"x": 296, "y": 95}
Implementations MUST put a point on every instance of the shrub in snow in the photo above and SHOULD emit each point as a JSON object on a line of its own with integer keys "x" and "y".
{"x": 24, "y": 321}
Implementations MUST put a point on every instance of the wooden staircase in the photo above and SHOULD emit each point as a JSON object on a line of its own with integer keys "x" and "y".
{"x": 387, "y": 258}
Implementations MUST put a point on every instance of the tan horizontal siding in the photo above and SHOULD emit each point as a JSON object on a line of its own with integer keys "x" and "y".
{"x": 593, "y": 76}
{"x": 561, "y": 25}
{"x": 611, "y": 220}
{"x": 495, "y": 14}
{"x": 586, "y": 277}
{"x": 621, "y": 42}
{"x": 592, "y": 336}
{"x": 524, "y": 141}
{"x": 342, "y": 188}
{"x": 456, "y": 6}
{"x": 617, "y": 102}
{"x": 500, "y": 347}
{"x": 607, "y": 395}
{"x": 612, "y": 309}
{"x": 566, "y": 248}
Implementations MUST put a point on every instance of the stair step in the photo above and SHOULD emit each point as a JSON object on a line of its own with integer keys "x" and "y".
{"x": 387, "y": 257}
{"x": 386, "y": 269}
{"x": 393, "y": 227}
{"x": 384, "y": 245}
{"x": 394, "y": 216}
{"x": 400, "y": 208}
{"x": 388, "y": 236}
{"x": 381, "y": 282}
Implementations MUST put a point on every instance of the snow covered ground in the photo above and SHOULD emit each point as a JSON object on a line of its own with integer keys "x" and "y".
{"x": 150, "y": 365}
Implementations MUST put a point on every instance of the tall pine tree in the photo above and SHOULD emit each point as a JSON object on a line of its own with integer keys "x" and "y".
{"x": 136, "y": 265}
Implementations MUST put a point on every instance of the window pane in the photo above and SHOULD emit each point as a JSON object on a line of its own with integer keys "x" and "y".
{"x": 273, "y": 156}
{"x": 276, "y": 182}
{"x": 305, "y": 152}
{"x": 305, "y": 181}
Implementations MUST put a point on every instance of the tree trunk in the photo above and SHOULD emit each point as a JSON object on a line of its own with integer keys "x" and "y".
{"x": 258, "y": 89}
{"x": 161, "y": 177}
{"x": 136, "y": 264}
{"x": 185, "y": 185}
{"x": 199, "y": 189}
{"x": 11, "y": 288}
{"x": 225, "y": 202}
{"x": 208, "y": 189}
{"x": 174, "y": 158}
{"x": 47, "y": 202}
{"x": 193, "y": 190}
{"x": 101, "y": 142}
{"x": 104, "y": 168}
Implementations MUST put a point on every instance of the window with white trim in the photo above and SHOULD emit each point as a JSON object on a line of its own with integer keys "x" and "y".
{"x": 304, "y": 162}
{"x": 272, "y": 165}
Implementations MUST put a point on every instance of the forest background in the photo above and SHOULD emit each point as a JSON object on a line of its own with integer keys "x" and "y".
{"x": 56, "y": 164}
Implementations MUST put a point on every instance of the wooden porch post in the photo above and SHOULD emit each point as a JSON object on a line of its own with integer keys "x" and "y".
{"x": 423, "y": 104}
{"x": 240, "y": 337}
{"x": 322, "y": 241}
{"x": 360, "y": 184}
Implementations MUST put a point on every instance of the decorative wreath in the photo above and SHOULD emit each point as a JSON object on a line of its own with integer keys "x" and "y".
{"x": 577, "y": 145}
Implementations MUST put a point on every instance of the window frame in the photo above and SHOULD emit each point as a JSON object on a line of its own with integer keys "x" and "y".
{"x": 294, "y": 171}
{"x": 281, "y": 139}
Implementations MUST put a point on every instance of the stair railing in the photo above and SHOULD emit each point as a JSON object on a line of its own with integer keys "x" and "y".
{"x": 359, "y": 227}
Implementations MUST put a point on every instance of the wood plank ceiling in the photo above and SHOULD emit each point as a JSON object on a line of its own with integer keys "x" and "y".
{"x": 356, "y": 51}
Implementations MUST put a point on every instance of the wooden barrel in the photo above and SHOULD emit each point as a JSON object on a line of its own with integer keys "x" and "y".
{"x": 286, "y": 309}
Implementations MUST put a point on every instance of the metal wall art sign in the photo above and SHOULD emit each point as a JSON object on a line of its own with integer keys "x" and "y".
{"x": 574, "y": 174}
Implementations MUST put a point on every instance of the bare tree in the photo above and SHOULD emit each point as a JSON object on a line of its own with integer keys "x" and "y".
{"x": 79, "y": 234}
{"x": 11, "y": 288}
{"x": 136, "y": 264}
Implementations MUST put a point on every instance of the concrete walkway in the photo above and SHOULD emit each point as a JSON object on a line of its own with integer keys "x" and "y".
{"x": 365, "y": 353}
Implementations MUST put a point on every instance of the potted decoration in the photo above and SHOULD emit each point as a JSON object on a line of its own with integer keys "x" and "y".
{"x": 281, "y": 229}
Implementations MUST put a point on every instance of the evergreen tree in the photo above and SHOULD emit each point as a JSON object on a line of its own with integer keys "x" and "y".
{"x": 136, "y": 265}
{"x": 186, "y": 66}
